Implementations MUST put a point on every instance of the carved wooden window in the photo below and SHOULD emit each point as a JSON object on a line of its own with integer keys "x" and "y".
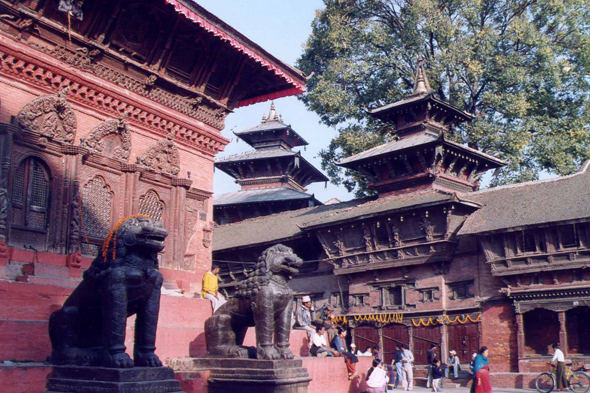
{"x": 461, "y": 290}
{"x": 381, "y": 234}
{"x": 151, "y": 205}
{"x": 392, "y": 297}
{"x": 529, "y": 241}
{"x": 97, "y": 201}
{"x": 567, "y": 236}
{"x": 428, "y": 295}
{"x": 30, "y": 194}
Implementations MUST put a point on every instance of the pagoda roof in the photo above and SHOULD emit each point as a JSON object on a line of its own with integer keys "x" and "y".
{"x": 260, "y": 195}
{"x": 387, "y": 111}
{"x": 542, "y": 202}
{"x": 412, "y": 141}
{"x": 317, "y": 175}
{"x": 294, "y": 79}
{"x": 257, "y": 155}
{"x": 292, "y": 224}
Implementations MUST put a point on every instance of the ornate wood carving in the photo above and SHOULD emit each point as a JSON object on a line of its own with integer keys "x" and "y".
{"x": 31, "y": 70}
{"x": 96, "y": 210}
{"x": 151, "y": 205}
{"x": 50, "y": 116}
{"x": 427, "y": 228}
{"x": 95, "y": 141}
{"x": 162, "y": 157}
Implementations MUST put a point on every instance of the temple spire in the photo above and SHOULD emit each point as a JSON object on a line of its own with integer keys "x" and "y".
{"x": 272, "y": 116}
{"x": 421, "y": 83}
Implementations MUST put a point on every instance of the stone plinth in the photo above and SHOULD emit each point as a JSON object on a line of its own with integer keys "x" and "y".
{"x": 66, "y": 379}
{"x": 248, "y": 375}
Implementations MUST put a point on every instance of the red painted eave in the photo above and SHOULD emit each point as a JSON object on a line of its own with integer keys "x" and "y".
{"x": 224, "y": 32}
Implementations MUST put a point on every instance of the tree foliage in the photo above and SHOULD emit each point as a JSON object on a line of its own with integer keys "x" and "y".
{"x": 520, "y": 66}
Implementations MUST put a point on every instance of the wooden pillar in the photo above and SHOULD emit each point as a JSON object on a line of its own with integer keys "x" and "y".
{"x": 562, "y": 332}
{"x": 520, "y": 335}
{"x": 444, "y": 343}
{"x": 381, "y": 348}
{"x": 411, "y": 337}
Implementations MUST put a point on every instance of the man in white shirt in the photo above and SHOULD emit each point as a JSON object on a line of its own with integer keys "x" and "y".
{"x": 407, "y": 372}
{"x": 319, "y": 347}
{"x": 559, "y": 358}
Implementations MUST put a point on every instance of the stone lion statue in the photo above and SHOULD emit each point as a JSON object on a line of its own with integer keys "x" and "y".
{"x": 264, "y": 301}
{"x": 89, "y": 330}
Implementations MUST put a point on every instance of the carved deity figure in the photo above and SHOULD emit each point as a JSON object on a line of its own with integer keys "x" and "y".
{"x": 162, "y": 157}
{"x": 89, "y": 330}
{"x": 264, "y": 301}
{"x": 50, "y": 116}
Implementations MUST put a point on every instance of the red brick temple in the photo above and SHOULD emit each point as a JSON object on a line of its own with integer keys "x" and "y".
{"x": 108, "y": 110}
{"x": 273, "y": 177}
{"x": 433, "y": 259}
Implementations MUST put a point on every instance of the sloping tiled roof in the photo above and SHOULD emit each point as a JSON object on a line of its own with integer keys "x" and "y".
{"x": 286, "y": 225}
{"x": 259, "y": 195}
{"x": 257, "y": 154}
{"x": 413, "y": 141}
{"x": 267, "y": 126}
{"x": 534, "y": 203}
{"x": 405, "y": 143}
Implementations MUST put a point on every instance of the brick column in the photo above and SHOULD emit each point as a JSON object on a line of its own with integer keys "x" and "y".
{"x": 520, "y": 335}
{"x": 562, "y": 332}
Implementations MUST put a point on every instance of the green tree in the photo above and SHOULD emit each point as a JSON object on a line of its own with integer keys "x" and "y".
{"x": 520, "y": 66}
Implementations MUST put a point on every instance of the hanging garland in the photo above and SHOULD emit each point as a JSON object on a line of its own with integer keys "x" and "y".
{"x": 113, "y": 236}
{"x": 382, "y": 318}
{"x": 339, "y": 321}
{"x": 430, "y": 321}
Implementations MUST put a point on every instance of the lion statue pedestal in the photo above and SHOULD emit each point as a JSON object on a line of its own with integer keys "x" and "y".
{"x": 88, "y": 332}
{"x": 263, "y": 301}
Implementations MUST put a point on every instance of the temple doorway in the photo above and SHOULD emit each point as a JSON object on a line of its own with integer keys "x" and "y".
{"x": 423, "y": 337}
{"x": 393, "y": 335}
{"x": 541, "y": 330}
{"x": 577, "y": 322}
{"x": 366, "y": 336}
{"x": 463, "y": 339}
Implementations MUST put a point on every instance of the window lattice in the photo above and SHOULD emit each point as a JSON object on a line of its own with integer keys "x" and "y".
{"x": 151, "y": 205}
{"x": 96, "y": 208}
{"x": 39, "y": 187}
{"x": 19, "y": 184}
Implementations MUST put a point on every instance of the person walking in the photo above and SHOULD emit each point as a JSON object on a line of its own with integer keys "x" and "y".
{"x": 407, "y": 372}
{"x": 481, "y": 373}
{"x": 559, "y": 359}
{"x": 437, "y": 375}
{"x": 397, "y": 363}
{"x": 431, "y": 356}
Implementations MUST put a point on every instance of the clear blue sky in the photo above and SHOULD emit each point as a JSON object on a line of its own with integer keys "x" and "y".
{"x": 281, "y": 27}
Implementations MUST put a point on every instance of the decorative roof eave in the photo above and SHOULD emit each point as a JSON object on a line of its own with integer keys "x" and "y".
{"x": 224, "y": 32}
{"x": 496, "y": 162}
{"x": 317, "y": 173}
{"x": 548, "y": 293}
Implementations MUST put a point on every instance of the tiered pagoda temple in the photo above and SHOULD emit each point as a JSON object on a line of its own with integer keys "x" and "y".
{"x": 431, "y": 258}
{"x": 273, "y": 177}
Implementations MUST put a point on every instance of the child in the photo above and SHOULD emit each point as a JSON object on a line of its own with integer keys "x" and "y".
{"x": 437, "y": 375}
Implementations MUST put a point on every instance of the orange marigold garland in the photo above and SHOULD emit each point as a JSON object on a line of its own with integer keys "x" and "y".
{"x": 113, "y": 236}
